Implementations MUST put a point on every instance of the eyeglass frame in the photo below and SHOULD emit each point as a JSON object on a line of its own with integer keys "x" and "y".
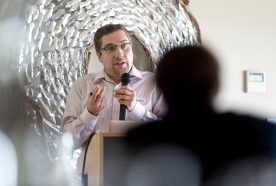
{"x": 114, "y": 47}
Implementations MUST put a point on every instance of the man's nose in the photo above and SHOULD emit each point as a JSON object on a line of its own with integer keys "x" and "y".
{"x": 119, "y": 52}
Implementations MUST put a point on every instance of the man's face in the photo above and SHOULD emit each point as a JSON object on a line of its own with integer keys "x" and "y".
{"x": 116, "y": 54}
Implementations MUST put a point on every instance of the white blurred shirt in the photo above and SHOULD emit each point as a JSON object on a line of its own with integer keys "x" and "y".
{"x": 8, "y": 161}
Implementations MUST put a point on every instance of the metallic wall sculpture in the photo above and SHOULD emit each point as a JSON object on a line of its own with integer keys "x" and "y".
{"x": 59, "y": 44}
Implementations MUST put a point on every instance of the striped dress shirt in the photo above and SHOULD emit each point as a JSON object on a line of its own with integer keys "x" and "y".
{"x": 80, "y": 123}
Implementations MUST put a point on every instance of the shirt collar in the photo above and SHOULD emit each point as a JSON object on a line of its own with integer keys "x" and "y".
{"x": 134, "y": 72}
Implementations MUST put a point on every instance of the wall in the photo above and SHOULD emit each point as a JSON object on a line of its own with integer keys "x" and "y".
{"x": 243, "y": 36}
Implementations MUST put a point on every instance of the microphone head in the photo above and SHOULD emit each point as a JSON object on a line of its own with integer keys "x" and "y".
{"x": 125, "y": 79}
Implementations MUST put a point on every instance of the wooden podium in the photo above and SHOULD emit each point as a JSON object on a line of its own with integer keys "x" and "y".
{"x": 106, "y": 155}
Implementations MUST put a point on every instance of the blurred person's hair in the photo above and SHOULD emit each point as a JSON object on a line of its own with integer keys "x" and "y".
{"x": 190, "y": 73}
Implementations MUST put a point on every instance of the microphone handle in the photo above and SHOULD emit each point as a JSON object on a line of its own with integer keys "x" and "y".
{"x": 123, "y": 112}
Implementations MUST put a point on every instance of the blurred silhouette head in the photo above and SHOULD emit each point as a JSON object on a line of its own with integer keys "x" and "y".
{"x": 188, "y": 76}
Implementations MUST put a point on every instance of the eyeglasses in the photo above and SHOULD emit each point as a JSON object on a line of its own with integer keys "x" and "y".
{"x": 112, "y": 48}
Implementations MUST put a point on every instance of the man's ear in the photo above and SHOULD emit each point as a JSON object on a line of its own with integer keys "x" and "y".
{"x": 99, "y": 54}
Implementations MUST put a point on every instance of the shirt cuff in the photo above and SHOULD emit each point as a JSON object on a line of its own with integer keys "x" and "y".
{"x": 138, "y": 112}
{"x": 88, "y": 118}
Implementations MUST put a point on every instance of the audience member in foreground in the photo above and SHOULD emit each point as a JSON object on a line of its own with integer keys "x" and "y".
{"x": 194, "y": 144}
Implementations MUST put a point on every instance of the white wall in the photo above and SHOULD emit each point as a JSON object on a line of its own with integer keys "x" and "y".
{"x": 243, "y": 36}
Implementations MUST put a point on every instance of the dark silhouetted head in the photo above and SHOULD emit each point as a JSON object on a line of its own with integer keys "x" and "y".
{"x": 188, "y": 76}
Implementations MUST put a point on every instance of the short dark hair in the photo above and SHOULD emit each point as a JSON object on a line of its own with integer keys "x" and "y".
{"x": 105, "y": 30}
{"x": 190, "y": 73}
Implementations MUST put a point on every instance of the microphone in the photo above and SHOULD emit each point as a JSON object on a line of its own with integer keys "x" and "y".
{"x": 125, "y": 80}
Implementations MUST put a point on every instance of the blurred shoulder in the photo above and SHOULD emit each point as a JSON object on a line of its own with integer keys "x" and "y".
{"x": 247, "y": 122}
{"x": 238, "y": 117}
{"x": 147, "y": 131}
